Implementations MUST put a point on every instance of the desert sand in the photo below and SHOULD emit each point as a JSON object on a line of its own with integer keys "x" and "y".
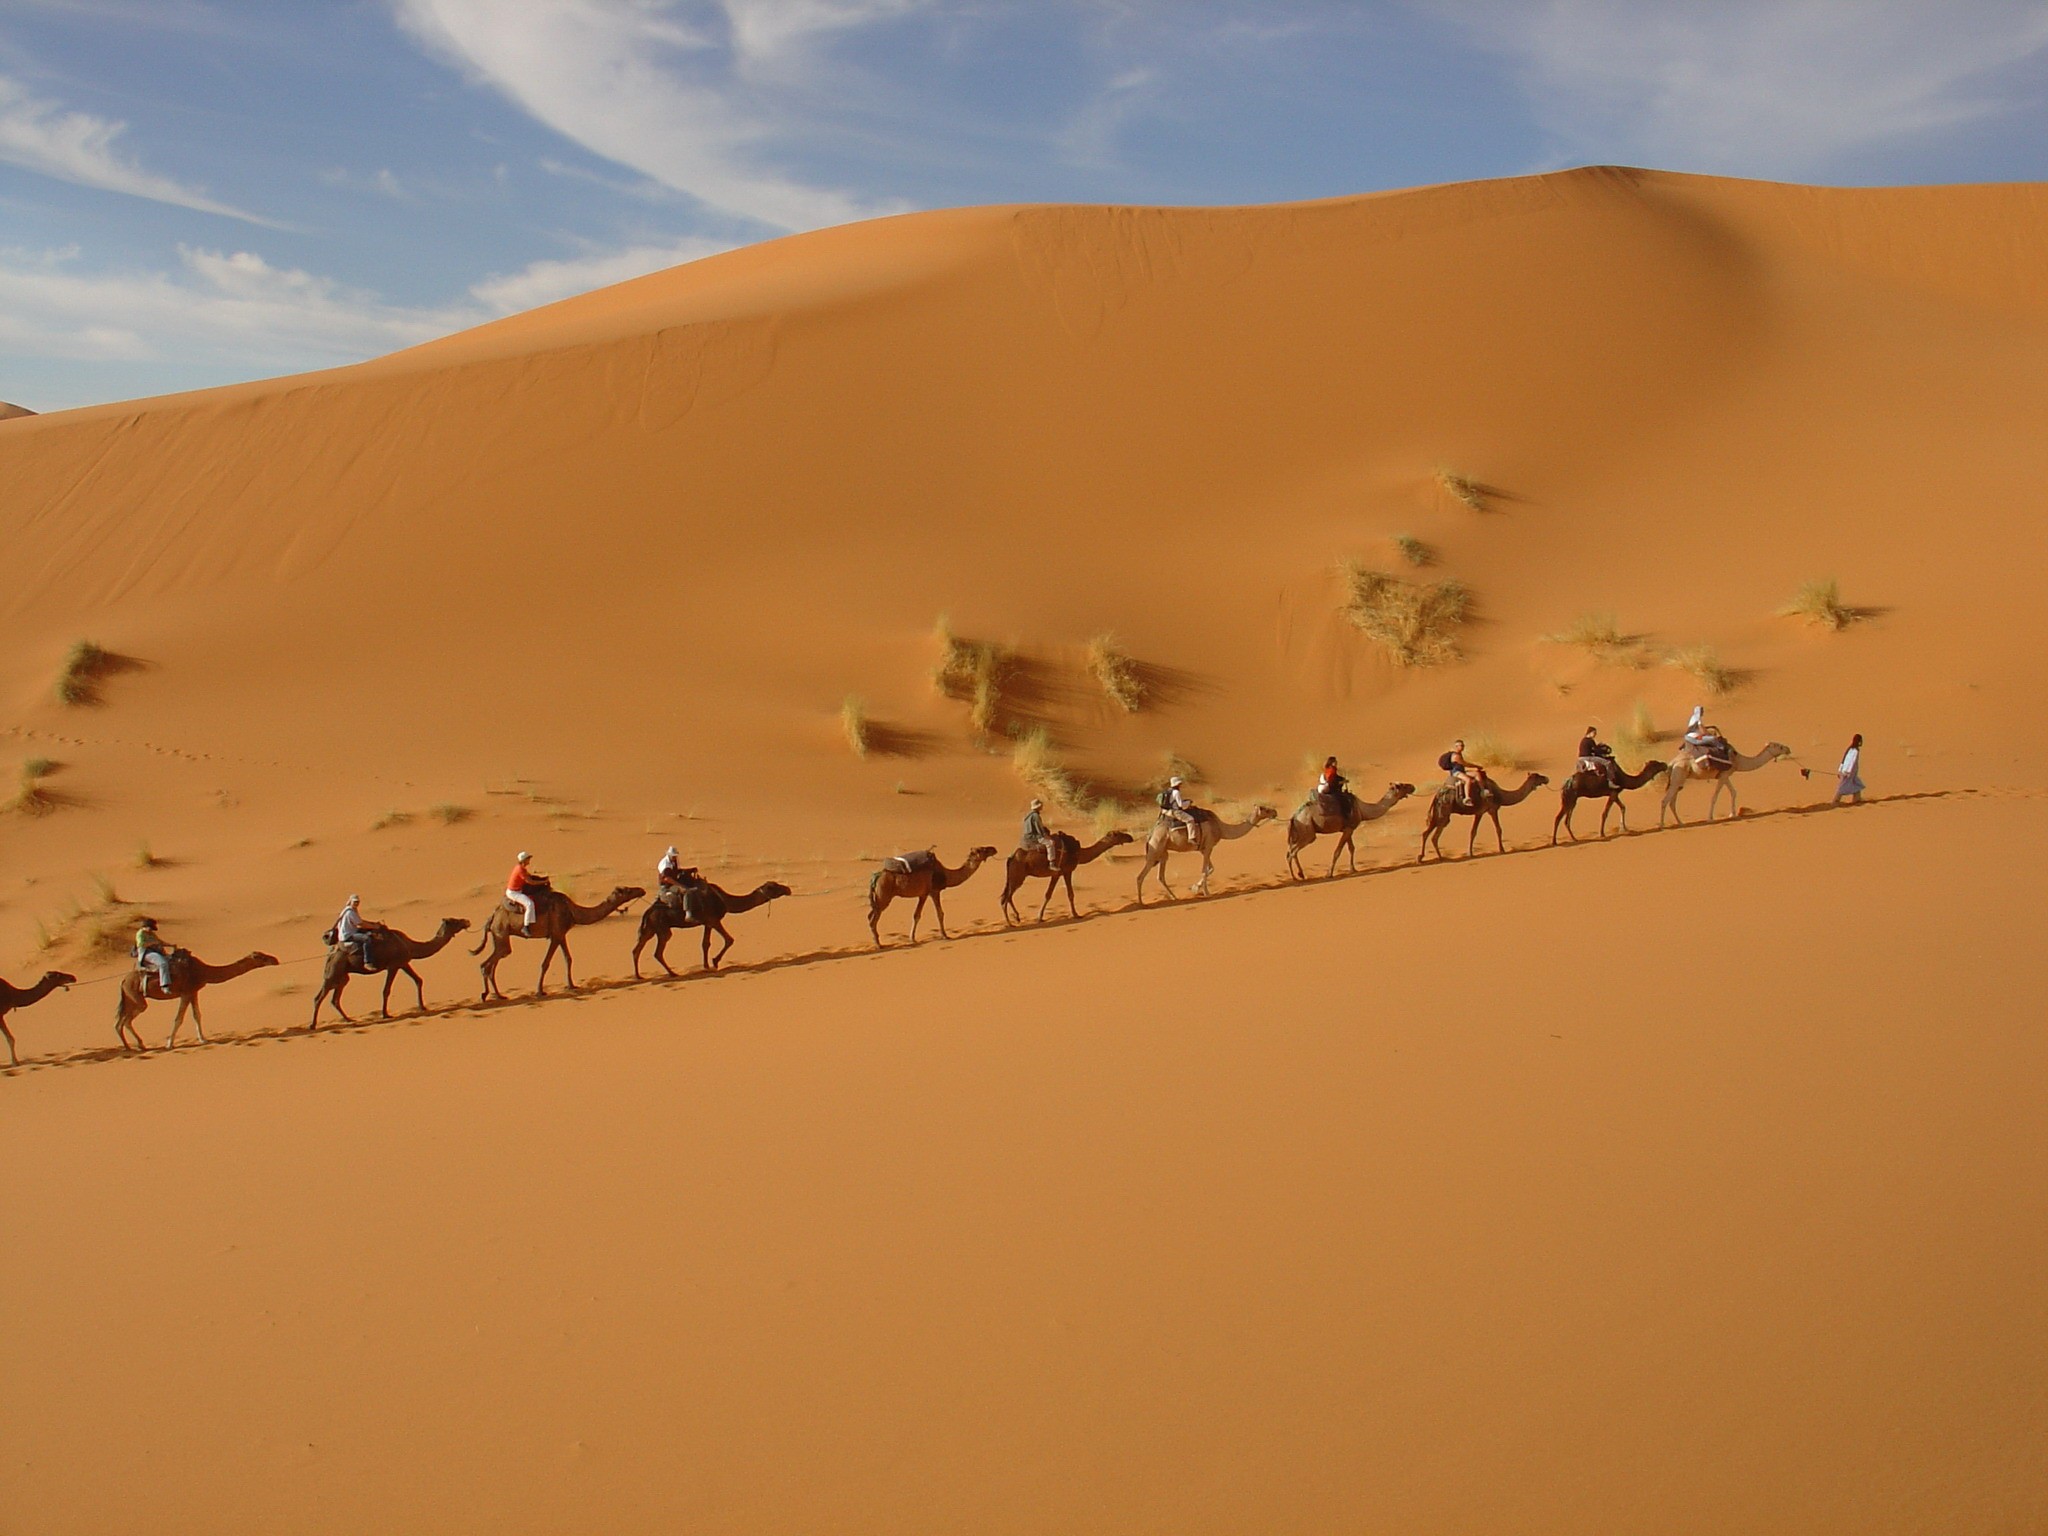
{"x": 1689, "y": 1181}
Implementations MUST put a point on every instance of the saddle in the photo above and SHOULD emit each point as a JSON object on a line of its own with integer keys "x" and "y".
{"x": 181, "y": 965}
{"x": 911, "y": 863}
{"x": 1337, "y": 805}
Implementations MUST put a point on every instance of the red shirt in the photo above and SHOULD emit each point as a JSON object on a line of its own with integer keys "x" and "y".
{"x": 516, "y": 881}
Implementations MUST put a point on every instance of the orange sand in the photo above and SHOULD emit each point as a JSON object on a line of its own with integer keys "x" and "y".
{"x": 1415, "y": 1203}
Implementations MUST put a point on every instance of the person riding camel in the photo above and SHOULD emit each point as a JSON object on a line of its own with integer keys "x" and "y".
{"x": 1468, "y": 778}
{"x": 151, "y": 954}
{"x": 1595, "y": 756}
{"x": 516, "y": 886}
{"x": 353, "y": 932}
{"x": 671, "y": 870}
{"x": 1333, "y": 789}
{"x": 1033, "y": 834}
{"x": 1175, "y": 805}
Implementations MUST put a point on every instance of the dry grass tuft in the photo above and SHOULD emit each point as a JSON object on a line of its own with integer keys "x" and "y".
{"x": 1114, "y": 668}
{"x": 145, "y": 859}
{"x": 1460, "y": 488}
{"x": 1039, "y": 765}
{"x": 105, "y": 936}
{"x": 1703, "y": 664}
{"x": 84, "y": 665}
{"x": 1820, "y": 601}
{"x": 32, "y": 797}
{"x": 853, "y": 720}
{"x": 1600, "y": 636}
{"x": 1107, "y": 817}
{"x": 450, "y": 814}
{"x": 1414, "y": 551}
{"x": 973, "y": 670}
{"x": 1416, "y": 623}
{"x": 1635, "y": 739}
{"x": 391, "y": 819}
{"x": 1490, "y": 750}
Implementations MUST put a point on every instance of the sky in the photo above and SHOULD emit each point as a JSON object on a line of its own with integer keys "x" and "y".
{"x": 194, "y": 192}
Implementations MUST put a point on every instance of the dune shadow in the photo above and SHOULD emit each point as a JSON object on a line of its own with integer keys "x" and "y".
{"x": 886, "y": 740}
{"x": 1165, "y": 687}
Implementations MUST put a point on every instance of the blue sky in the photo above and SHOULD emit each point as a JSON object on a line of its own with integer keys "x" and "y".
{"x": 198, "y": 191}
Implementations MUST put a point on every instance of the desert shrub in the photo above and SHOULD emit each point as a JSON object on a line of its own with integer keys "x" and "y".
{"x": 1703, "y": 664}
{"x": 1107, "y": 816}
{"x": 1490, "y": 750}
{"x": 1635, "y": 739}
{"x": 972, "y": 670}
{"x": 84, "y": 665}
{"x": 1415, "y": 623}
{"x": 391, "y": 819}
{"x": 450, "y": 814}
{"x": 1820, "y": 601}
{"x": 1460, "y": 488}
{"x": 1414, "y": 551}
{"x": 31, "y": 796}
{"x": 104, "y": 936}
{"x": 1039, "y": 764}
{"x": 103, "y": 888}
{"x": 853, "y": 722}
{"x": 1599, "y": 635}
{"x": 1113, "y": 668}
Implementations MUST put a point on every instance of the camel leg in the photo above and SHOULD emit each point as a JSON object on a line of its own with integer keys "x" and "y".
{"x": 1734, "y": 802}
{"x": 1073, "y": 911}
{"x": 540, "y": 984}
{"x": 1472, "y": 842}
{"x": 177, "y": 1020}
{"x": 1497, "y": 837}
{"x": 728, "y": 945}
{"x": 339, "y": 982}
{"x": 876, "y": 905}
{"x": 384, "y": 1007}
{"x": 916, "y": 913}
{"x": 198, "y": 1022}
{"x": 1010, "y": 885}
{"x": 1160, "y": 876}
{"x": 939, "y": 911}
{"x": 638, "y": 945}
{"x": 568, "y": 966}
{"x": 1564, "y": 820}
{"x": 1670, "y": 803}
{"x": 12, "y": 1059}
{"x": 1294, "y": 869}
{"x": 1343, "y": 846}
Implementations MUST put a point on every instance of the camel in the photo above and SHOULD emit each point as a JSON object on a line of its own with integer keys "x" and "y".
{"x": 1053, "y": 863}
{"x": 12, "y": 997}
{"x": 1593, "y": 784}
{"x": 1169, "y": 836}
{"x": 1689, "y": 765}
{"x": 1314, "y": 820}
{"x": 390, "y": 952}
{"x": 698, "y": 904}
{"x": 924, "y": 880}
{"x": 189, "y": 974}
{"x": 557, "y": 915}
{"x": 1447, "y": 802}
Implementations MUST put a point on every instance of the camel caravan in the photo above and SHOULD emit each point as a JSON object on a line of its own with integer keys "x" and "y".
{"x": 533, "y": 910}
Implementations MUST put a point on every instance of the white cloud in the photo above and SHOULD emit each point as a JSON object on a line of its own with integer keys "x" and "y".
{"x": 1757, "y": 87}
{"x": 543, "y": 282}
{"x": 230, "y": 308}
{"x": 39, "y": 135}
{"x": 694, "y": 96}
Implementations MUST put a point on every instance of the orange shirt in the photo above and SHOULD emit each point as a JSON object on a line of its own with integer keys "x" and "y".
{"x": 516, "y": 881}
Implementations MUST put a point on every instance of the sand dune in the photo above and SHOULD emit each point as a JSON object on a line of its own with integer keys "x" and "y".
{"x": 1274, "y": 1213}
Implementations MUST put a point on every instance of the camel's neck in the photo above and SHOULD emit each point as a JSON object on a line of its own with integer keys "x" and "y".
{"x": 207, "y": 975}
{"x": 955, "y": 876}
{"x": 1093, "y": 852}
{"x": 1741, "y": 764}
{"x": 758, "y": 896}
{"x": 597, "y": 914}
{"x": 1516, "y": 796}
{"x": 23, "y": 996}
{"x": 421, "y": 949}
{"x": 1230, "y": 830}
{"x": 1639, "y": 778}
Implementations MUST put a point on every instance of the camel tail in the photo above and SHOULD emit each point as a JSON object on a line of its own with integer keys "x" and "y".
{"x": 874, "y": 880}
{"x": 483, "y": 938}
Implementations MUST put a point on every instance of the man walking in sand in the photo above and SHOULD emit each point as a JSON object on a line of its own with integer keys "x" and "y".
{"x": 1849, "y": 777}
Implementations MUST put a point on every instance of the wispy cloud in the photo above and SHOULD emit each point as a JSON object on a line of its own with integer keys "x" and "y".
{"x": 232, "y": 308}
{"x": 1757, "y": 87}
{"x": 40, "y": 135}
{"x": 543, "y": 282}
{"x": 689, "y": 95}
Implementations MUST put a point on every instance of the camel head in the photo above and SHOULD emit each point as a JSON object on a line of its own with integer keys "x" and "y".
{"x": 1400, "y": 792}
{"x": 1538, "y": 780}
{"x": 775, "y": 890}
{"x": 1656, "y": 769}
{"x": 1774, "y": 749}
{"x": 258, "y": 959}
{"x": 1262, "y": 813}
{"x": 1118, "y": 839}
{"x": 980, "y": 856}
{"x": 454, "y": 924}
{"x": 60, "y": 978}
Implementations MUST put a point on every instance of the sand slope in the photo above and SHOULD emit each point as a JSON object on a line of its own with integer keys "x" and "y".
{"x": 1052, "y": 1233}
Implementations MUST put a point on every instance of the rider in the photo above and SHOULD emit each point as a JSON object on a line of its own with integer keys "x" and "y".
{"x": 351, "y": 931}
{"x": 152, "y": 955}
{"x": 670, "y": 870}
{"x": 1468, "y": 777}
{"x": 1034, "y": 835}
{"x": 1596, "y": 756}
{"x": 1331, "y": 787}
{"x": 516, "y": 883}
{"x": 1175, "y": 804}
